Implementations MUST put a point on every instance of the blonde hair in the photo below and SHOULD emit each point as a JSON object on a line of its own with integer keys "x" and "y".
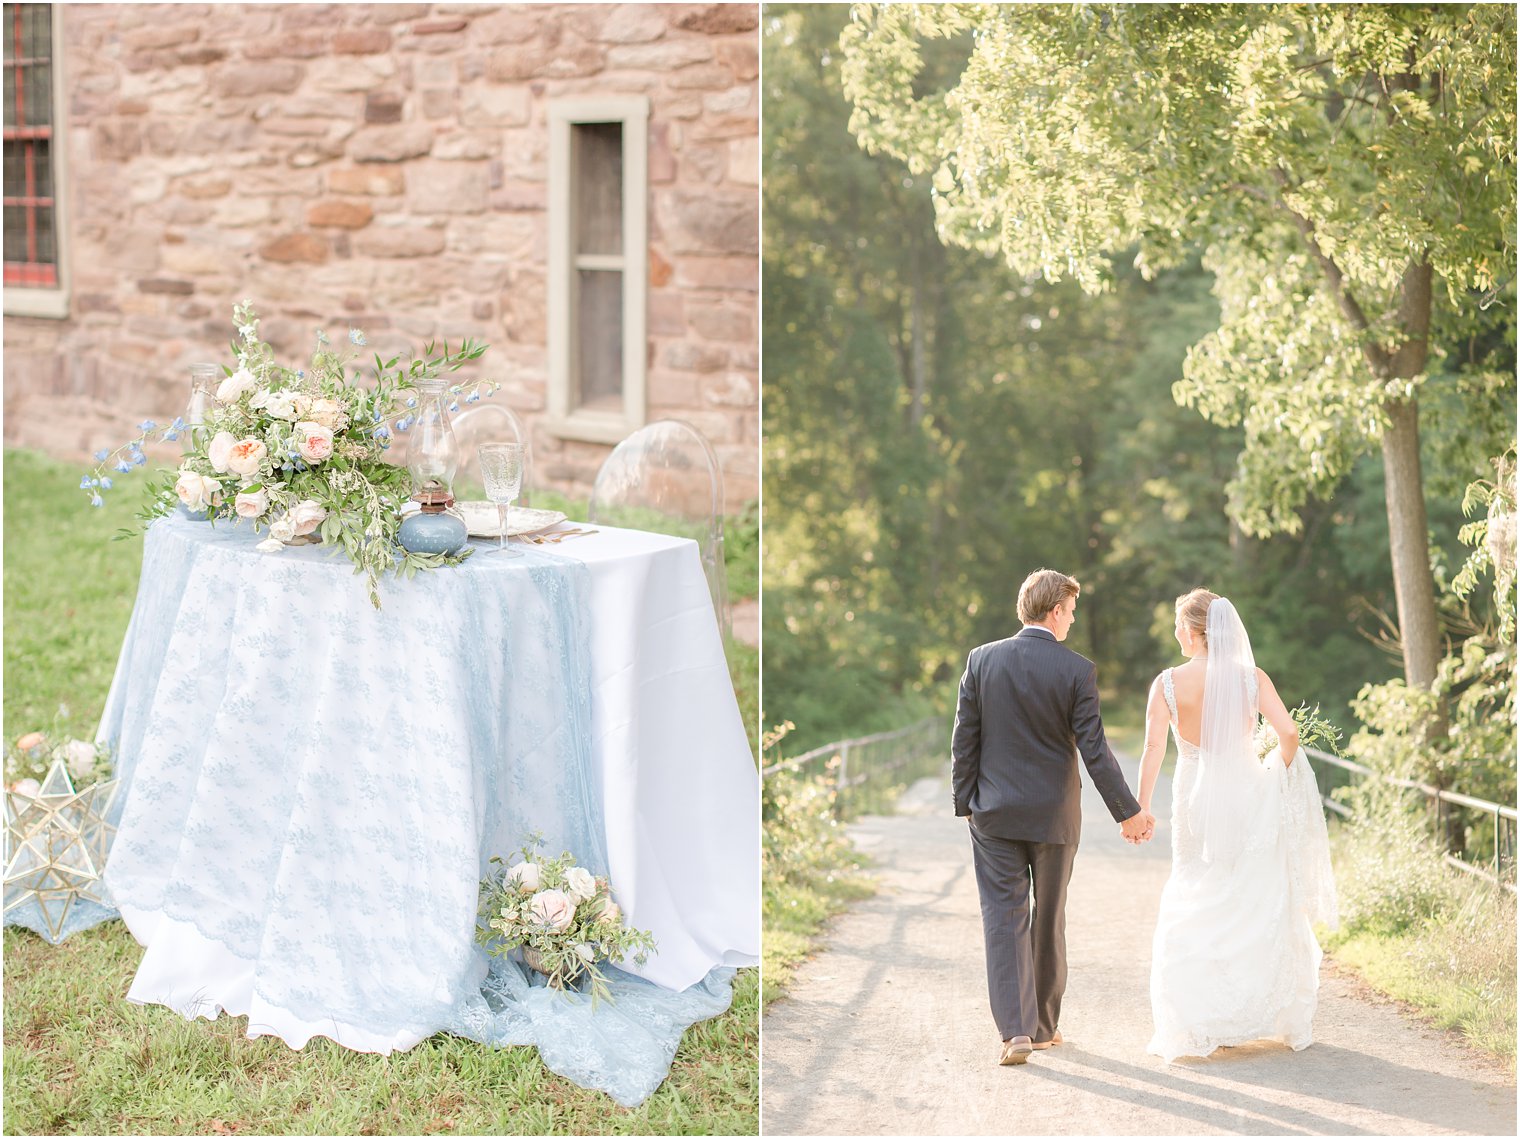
{"x": 1193, "y": 612}
{"x": 1042, "y": 591}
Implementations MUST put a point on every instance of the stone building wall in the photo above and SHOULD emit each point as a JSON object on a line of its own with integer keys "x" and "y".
{"x": 385, "y": 167}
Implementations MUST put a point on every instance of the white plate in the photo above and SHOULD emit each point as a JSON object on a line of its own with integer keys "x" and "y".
{"x": 483, "y": 519}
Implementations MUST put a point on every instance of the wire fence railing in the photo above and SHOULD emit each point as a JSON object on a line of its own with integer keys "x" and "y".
{"x": 864, "y": 770}
{"x": 1441, "y": 802}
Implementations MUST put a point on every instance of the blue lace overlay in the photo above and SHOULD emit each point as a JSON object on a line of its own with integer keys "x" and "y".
{"x": 318, "y": 787}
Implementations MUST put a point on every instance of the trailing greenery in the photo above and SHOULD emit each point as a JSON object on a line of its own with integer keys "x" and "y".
{"x": 80, "y": 1059}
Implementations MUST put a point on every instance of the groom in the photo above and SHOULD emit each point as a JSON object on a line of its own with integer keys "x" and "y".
{"x": 1028, "y": 708}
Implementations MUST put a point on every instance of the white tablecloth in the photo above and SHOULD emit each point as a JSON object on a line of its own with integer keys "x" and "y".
{"x": 263, "y": 706}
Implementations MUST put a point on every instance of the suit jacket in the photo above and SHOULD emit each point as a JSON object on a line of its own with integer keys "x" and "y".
{"x": 1028, "y": 709}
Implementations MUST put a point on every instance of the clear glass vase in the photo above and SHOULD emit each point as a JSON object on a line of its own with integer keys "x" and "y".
{"x": 203, "y": 381}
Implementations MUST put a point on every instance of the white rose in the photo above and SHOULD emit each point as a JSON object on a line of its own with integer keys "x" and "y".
{"x": 282, "y": 404}
{"x": 219, "y": 449}
{"x": 552, "y": 910}
{"x": 524, "y": 876}
{"x": 329, "y": 413}
{"x": 313, "y": 441}
{"x": 28, "y": 787}
{"x": 585, "y": 952}
{"x": 79, "y": 755}
{"x": 235, "y": 385}
{"x": 251, "y": 504}
{"x": 284, "y": 530}
{"x": 244, "y": 456}
{"x": 270, "y": 546}
{"x": 579, "y": 884}
{"x": 197, "y": 491}
{"x": 306, "y": 516}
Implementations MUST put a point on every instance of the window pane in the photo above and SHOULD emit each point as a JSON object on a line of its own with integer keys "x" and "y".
{"x": 46, "y": 247}
{"x": 599, "y": 339}
{"x": 15, "y": 233}
{"x": 15, "y": 169}
{"x": 37, "y": 31}
{"x": 597, "y": 175}
{"x": 10, "y": 32}
{"x": 39, "y": 96}
{"x": 10, "y": 97}
{"x": 42, "y": 169}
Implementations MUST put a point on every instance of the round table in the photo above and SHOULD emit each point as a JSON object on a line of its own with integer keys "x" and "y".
{"x": 312, "y": 788}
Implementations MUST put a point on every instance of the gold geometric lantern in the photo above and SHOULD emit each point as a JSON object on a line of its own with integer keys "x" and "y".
{"x": 55, "y": 846}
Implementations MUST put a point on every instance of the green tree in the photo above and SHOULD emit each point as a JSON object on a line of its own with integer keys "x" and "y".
{"x": 1348, "y": 172}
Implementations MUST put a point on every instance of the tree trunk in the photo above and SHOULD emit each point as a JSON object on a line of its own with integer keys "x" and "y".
{"x": 1409, "y": 544}
{"x": 1408, "y": 532}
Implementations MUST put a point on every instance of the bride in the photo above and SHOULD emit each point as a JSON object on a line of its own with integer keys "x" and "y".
{"x": 1234, "y": 958}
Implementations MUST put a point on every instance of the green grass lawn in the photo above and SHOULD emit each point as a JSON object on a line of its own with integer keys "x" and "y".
{"x": 80, "y": 1059}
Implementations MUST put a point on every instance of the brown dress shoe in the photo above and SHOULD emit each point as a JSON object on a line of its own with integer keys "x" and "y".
{"x": 1051, "y": 1043}
{"x": 1016, "y": 1051}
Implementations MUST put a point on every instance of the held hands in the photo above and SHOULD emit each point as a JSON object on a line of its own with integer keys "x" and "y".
{"x": 1138, "y": 828}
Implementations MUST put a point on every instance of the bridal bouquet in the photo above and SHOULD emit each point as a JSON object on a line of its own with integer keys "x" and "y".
{"x": 561, "y": 915}
{"x": 299, "y": 451}
{"x": 1313, "y": 731}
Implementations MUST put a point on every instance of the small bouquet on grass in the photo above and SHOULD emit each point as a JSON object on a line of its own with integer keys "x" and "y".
{"x": 561, "y": 915}
{"x": 1313, "y": 731}
{"x": 300, "y": 451}
{"x": 29, "y": 757}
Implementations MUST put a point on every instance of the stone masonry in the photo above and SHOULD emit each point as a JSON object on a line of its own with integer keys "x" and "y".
{"x": 385, "y": 167}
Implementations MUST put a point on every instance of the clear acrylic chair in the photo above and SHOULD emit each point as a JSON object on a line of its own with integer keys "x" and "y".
{"x": 487, "y": 423}
{"x": 665, "y": 478}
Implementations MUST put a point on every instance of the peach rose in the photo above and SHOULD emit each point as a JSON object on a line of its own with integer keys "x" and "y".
{"x": 306, "y": 516}
{"x": 197, "y": 491}
{"x": 524, "y": 876}
{"x": 31, "y": 740}
{"x": 251, "y": 504}
{"x": 313, "y": 441}
{"x": 244, "y": 457}
{"x": 552, "y": 909}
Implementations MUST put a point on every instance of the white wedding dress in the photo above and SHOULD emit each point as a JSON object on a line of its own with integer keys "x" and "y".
{"x": 1235, "y": 958}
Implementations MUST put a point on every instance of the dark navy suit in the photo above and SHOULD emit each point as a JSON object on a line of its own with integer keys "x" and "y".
{"x": 1028, "y": 712}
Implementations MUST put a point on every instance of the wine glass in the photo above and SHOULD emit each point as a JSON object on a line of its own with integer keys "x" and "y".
{"x": 501, "y": 469}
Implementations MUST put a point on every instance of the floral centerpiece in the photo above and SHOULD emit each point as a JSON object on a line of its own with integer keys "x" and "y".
{"x": 561, "y": 916}
{"x": 299, "y": 451}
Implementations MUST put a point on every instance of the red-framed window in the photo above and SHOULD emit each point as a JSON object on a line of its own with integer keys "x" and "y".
{"x": 31, "y": 233}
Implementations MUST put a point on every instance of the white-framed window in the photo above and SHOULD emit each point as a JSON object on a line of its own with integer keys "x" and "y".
{"x": 598, "y": 266}
{"x": 36, "y": 271}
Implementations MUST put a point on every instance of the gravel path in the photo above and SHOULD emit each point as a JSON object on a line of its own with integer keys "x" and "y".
{"x": 887, "y": 1031}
